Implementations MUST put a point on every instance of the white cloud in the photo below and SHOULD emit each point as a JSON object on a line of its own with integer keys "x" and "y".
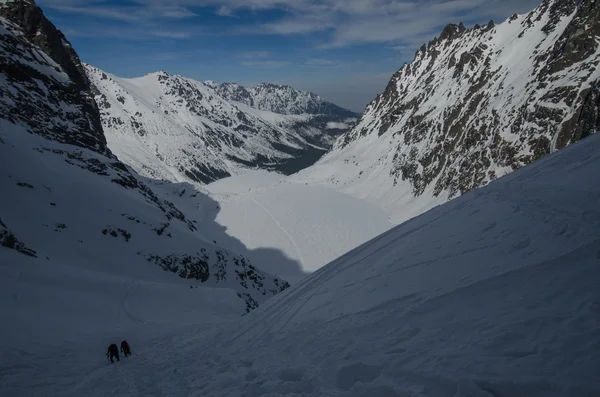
{"x": 174, "y": 12}
{"x": 319, "y": 62}
{"x": 171, "y": 34}
{"x": 348, "y": 22}
{"x": 254, "y": 54}
{"x": 267, "y": 64}
{"x": 100, "y": 12}
{"x": 340, "y": 22}
{"x": 300, "y": 25}
{"x": 224, "y": 11}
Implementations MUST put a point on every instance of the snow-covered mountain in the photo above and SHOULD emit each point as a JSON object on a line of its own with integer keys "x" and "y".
{"x": 70, "y": 203}
{"x": 475, "y": 104}
{"x": 492, "y": 294}
{"x": 175, "y": 128}
{"x": 281, "y": 99}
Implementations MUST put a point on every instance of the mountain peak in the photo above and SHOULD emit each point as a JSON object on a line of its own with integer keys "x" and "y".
{"x": 492, "y": 100}
{"x": 282, "y": 99}
{"x": 273, "y": 85}
{"x": 202, "y": 132}
{"x": 452, "y": 31}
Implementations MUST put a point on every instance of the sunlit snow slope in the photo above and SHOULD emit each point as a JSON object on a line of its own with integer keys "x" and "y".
{"x": 492, "y": 294}
{"x": 310, "y": 224}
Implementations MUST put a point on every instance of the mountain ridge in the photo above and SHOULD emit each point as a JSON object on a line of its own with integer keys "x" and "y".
{"x": 180, "y": 129}
{"x": 475, "y": 104}
{"x": 257, "y": 96}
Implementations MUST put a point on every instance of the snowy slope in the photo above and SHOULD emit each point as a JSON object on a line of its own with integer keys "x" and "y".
{"x": 312, "y": 225}
{"x": 67, "y": 201}
{"x": 475, "y": 104}
{"x": 492, "y": 294}
{"x": 178, "y": 129}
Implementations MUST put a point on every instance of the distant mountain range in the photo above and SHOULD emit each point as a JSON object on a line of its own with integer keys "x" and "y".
{"x": 178, "y": 129}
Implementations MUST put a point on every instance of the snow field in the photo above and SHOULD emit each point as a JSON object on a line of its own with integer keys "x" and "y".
{"x": 58, "y": 322}
{"x": 310, "y": 224}
{"x": 494, "y": 293}
{"x": 86, "y": 288}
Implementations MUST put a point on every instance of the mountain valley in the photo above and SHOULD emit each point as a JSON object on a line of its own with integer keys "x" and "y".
{"x": 260, "y": 241}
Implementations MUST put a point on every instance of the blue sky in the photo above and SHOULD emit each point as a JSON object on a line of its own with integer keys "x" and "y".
{"x": 344, "y": 50}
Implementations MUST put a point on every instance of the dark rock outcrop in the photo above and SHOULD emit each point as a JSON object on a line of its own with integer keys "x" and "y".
{"x": 9, "y": 240}
{"x": 35, "y": 37}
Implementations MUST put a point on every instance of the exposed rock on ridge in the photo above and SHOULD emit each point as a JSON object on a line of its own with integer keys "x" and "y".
{"x": 478, "y": 103}
{"x": 56, "y": 52}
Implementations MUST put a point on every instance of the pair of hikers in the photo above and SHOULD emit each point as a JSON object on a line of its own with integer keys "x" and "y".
{"x": 113, "y": 351}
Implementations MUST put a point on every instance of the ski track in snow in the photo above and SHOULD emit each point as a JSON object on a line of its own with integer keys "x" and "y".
{"x": 314, "y": 225}
{"x": 287, "y": 234}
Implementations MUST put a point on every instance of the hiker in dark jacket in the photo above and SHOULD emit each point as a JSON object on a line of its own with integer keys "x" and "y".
{"x": 125, "y": 348}
{"x": 113, "y": 351}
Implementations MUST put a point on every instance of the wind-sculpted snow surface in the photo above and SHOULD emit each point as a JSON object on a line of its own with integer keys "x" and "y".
{"x": 178, "y": 129}
{"x": 474, "y": 105}
{"x": 492, "y": 294}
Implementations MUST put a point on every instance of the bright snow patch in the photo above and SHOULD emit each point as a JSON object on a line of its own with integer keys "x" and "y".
{"x": 312, "y": 225}
{"x": 333, "y": 125}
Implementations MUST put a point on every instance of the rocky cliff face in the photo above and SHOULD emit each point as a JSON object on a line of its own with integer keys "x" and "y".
{"x": 66, "y": 200}
{"x": 476, "y": 104}
{"x": 52, "y": 62}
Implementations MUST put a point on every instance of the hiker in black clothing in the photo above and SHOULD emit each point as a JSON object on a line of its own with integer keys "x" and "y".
{"x": 113, "y": 351}
{"x": 125, "y": 348}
